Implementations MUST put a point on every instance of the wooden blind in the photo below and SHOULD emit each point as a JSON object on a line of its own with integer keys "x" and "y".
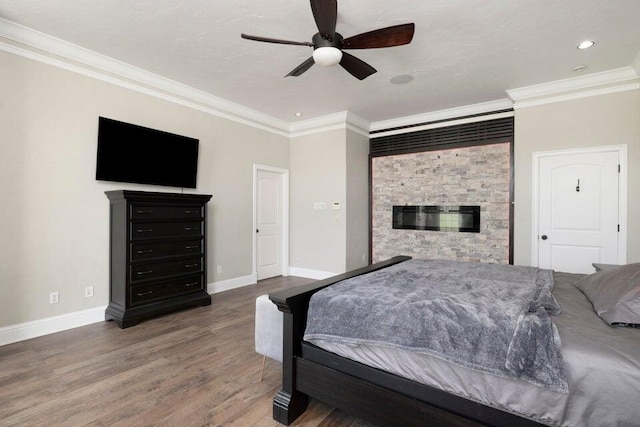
{"x": 457, "y": 136}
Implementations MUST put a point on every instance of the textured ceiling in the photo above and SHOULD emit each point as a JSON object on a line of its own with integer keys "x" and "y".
{"x": 463, "y": 52}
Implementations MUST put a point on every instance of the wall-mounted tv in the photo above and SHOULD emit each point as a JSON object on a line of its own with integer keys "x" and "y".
{"x": 136, "y": 154}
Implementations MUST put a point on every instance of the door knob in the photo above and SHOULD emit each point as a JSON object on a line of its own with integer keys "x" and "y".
{"x": 543, "y": 237}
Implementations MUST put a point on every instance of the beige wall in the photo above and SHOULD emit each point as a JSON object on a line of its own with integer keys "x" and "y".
{"x": 54, "y": 222}
{"x": 357, "y": 204}
{"x": 54, "y": 216}
{"x": 329, "y": 167}
{"x": 318, "y": 174}
{"x": 611, "y": 119}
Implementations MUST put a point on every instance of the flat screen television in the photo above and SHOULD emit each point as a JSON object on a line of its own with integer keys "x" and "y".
{"x": 136, "y": 154}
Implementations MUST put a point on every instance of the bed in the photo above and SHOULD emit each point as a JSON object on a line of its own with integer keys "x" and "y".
{"x": 602, "y": 368}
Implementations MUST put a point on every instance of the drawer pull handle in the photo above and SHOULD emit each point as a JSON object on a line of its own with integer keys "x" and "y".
{"x": 140, "y": 211}
{"x": 145, "y": 230}
{"x": 191, "y": 247}
{"x": 140, "y": 273}
{"x": 191, "y": 284}
{"x": 187, "y": 211}
{"x": 145, "y": 252}
{"x": 141, "y": 294}
{"x": 190, "y": 228}
{"x": 190, "y": 265}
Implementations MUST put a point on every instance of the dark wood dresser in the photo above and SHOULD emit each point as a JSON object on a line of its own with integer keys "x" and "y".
{"x": 158, "y": 254}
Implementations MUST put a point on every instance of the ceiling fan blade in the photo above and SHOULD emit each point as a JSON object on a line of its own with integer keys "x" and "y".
{"x": 325, "y": 12}
{"x": 357, "y": 67}
{"x": 301, "y": 68}
{"x": 384, "y": 37}
{"x": 269, "y": 40}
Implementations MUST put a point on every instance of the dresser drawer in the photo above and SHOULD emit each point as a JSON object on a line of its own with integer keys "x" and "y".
{"x": 143, "y": 294}
{"x": 153, "y": 212}
{"x": 156, "y": 270}
{"x": 154, "y": 230}
{"x": 142, "y": 251}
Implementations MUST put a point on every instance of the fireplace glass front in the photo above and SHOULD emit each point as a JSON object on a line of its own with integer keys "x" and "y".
{"x": 437, "y": 218}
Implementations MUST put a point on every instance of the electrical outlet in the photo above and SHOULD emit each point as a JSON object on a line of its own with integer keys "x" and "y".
{"x": 219, "y": 269}
{"x": 54, "y": 297}
{"x": 88, "y": 291}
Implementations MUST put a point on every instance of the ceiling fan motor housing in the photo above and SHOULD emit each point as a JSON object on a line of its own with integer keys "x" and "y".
{"x": 319, "y": 41}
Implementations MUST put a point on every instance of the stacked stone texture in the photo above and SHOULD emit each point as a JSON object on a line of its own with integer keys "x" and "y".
{"x": 463, "y": 176}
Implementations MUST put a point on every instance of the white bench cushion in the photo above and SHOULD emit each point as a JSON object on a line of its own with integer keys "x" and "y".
{"x": 268, "y": 332}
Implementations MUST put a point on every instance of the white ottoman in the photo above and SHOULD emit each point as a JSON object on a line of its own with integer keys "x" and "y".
{"x": 268, "y": 330}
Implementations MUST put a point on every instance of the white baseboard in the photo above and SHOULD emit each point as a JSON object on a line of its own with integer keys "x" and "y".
{"x": 310, "y": 274}
{"x": 50, "y": 325}
{"x": 226, "y": 285}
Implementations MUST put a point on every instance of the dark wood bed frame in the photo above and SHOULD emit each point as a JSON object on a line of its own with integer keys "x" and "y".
{"x": 366, "y": 392}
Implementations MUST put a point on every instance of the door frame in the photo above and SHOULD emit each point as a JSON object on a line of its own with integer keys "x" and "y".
{"x": 622, "y": 195}
{"x": 284, "y": 208}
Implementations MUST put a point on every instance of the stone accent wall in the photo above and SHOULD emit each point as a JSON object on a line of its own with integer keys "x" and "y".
{"x": 462, "y": 176}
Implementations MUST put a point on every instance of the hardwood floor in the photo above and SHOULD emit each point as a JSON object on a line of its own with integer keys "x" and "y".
{"x": 196, "y": 367}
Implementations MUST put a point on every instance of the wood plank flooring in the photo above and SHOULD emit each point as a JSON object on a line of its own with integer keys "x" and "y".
{"x": 196, "y": 367}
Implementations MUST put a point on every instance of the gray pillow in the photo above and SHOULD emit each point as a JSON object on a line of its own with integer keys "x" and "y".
{"x": 614, "y": 293}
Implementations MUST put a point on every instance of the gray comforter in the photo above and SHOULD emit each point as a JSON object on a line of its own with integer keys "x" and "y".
{"x": 491, "y": 318}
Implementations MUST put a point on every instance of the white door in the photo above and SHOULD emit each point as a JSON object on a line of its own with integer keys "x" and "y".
{"x": 269, "y": 224}
{"x": 578, "y": 222}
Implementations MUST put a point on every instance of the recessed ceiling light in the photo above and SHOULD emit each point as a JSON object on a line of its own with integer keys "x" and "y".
{"x": 401, "y": 79}
{"x": 579, "y": 67}
{"x": 586, "y": 44}
{"x": 298, "y": 114}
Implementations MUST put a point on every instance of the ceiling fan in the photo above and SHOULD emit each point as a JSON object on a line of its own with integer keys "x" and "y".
{"x": 328, "y": 45}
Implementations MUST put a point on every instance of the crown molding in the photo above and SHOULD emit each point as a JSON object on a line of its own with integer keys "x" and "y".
{"x": 319, "y": 124}
{"x": 50, "y": 50}
{"x": 358, "y": 124}
{"x": 341, "y": 120}
{"x": 577, "y": 95}
{"x": 450, "y": 113}
{"x": 636, "y": 64}
{"x": 605, "y": 82}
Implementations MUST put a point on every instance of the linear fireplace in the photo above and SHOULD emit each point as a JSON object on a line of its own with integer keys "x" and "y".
{"x": 437, "y": 218}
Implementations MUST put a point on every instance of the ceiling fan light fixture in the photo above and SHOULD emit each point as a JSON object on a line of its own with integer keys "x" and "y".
{"x": 327, "y": 56}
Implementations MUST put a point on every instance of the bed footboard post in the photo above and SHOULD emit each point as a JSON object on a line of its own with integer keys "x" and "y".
{"x": 289, "y": 403}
